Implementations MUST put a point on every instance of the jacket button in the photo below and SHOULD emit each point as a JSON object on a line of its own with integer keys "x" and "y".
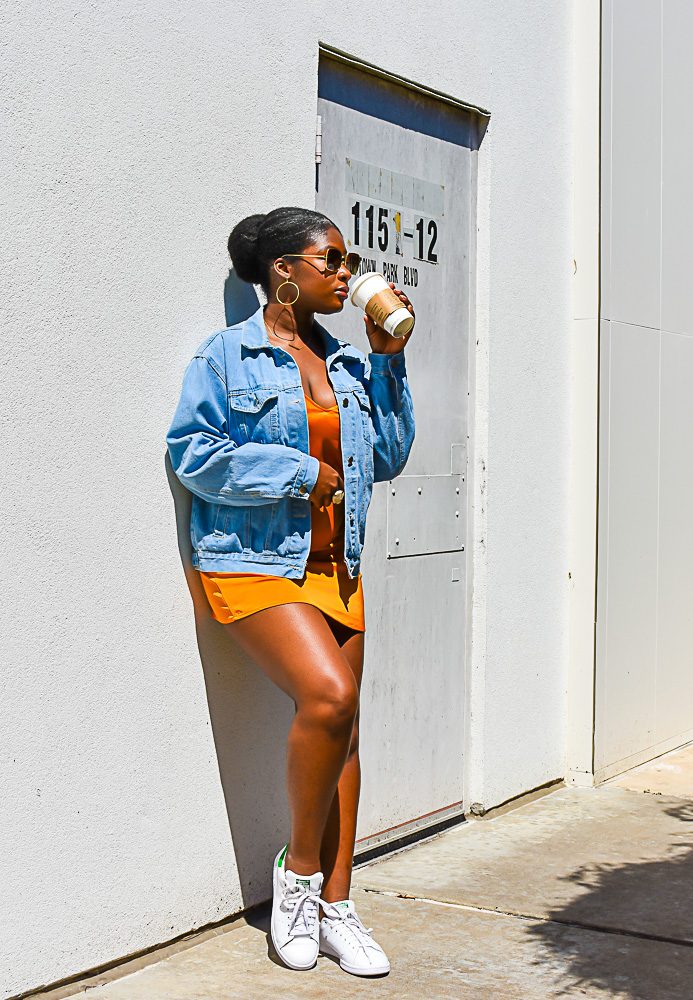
{"x": 345, "y": 402}
{"x": 303, "y": 488}
{"x": 351, "y": 460}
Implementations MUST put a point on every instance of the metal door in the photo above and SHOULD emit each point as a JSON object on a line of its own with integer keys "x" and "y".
{"x": 397, "y": 175}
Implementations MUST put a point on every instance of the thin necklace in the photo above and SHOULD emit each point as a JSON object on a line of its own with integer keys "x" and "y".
{"x": 275, "y": 334}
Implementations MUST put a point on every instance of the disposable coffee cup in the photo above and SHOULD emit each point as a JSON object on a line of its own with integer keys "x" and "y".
{"x": 372, "y": 293}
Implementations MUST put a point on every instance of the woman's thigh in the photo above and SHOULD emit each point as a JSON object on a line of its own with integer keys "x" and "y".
{"x": 351, "y": 642}
{"x": 301, "y": 651}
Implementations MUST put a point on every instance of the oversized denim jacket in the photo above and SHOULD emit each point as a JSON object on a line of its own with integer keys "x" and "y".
{"x": 239, "y": 442}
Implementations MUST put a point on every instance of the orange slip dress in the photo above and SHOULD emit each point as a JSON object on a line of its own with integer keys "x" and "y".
{"x": 326, "y": 584}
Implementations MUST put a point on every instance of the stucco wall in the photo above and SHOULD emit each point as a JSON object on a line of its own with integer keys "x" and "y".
{"x": 138, "y": 135}
{"x": 517, "y": 741}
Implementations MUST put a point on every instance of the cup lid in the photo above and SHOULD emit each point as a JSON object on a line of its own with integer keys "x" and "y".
{"x": 363, "y": 277}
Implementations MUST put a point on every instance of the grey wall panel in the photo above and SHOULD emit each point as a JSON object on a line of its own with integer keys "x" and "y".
{"x": 605, "y": 161}
{"x": 675, "y": 596}
{"x": 600, "y": 708}
{"x": 626, "y": 685}
{"x": 677, "y": 167}
{"x": 636, "y": 185}
{"x": 644, "y": 635}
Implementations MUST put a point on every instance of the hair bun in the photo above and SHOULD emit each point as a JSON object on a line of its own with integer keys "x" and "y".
{"x": 243, "y": 249}
{"x": 258, "y": 240}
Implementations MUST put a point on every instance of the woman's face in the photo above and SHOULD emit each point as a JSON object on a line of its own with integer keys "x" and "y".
{"x": 320, "y": 290}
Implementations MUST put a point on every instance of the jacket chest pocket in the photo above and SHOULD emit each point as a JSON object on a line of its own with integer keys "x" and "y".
{"x": 254, "y": 415}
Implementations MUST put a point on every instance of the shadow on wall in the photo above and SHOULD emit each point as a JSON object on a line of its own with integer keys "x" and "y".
{"x": 630, "y": 932}
{"x": 250, "y": 716}
{"x": 240, "y": 300}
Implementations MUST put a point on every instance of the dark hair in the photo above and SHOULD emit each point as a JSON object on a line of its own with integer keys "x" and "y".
{"x": 258, "y": 240}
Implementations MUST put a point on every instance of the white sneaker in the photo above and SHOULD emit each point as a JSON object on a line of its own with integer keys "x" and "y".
{"x": 343, "y": 936}
{"x": 294, "y": 927}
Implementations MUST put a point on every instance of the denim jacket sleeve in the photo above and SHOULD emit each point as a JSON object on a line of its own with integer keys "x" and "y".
{"x": 209, "y": 463}
{"x": 392, "y": 414}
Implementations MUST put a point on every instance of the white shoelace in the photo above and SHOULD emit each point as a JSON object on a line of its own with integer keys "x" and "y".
{"x": 303, "y": 916}
{"x": 351, "y": 921}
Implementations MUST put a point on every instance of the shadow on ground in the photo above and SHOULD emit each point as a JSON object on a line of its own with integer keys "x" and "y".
{"x": 643, "y": 912}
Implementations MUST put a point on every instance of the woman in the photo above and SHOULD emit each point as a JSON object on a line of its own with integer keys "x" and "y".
{"x": 280, "y": 432}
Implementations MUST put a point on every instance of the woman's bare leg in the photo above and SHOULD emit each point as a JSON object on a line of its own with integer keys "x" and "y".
{"x": 337, "y": 852}
{"x": 295, "y": 647}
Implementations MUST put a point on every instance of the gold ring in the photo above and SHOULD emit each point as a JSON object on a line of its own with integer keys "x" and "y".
{"x": 337, "y": 496}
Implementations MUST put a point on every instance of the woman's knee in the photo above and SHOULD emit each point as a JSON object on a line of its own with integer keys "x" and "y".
{"x": 336, "y": 704}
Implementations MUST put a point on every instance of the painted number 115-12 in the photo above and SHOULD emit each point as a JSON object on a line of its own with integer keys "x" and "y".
{"x": 392, "y": 230}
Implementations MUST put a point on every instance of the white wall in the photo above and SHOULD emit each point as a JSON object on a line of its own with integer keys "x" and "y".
{"x": 643, "y": 676}
{"x": 585, "y": 392}
{"x": 146, "y": 800}
{"x": 522, "y": 531}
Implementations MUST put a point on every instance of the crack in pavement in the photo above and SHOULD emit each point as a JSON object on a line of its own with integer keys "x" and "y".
{"x": 582, "y": 925}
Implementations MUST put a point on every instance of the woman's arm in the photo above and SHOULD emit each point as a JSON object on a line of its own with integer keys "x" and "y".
{"x": 392, "y": 411}
{"x": 220, "y": 470}
{"x": 392, "y": 414}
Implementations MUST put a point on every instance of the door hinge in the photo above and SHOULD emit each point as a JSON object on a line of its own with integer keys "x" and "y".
{"x": 318, "y": 140}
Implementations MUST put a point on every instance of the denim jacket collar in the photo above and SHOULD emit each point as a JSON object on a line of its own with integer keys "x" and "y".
{"x": 254, "y": 337}
{"x": 254, "y": 332}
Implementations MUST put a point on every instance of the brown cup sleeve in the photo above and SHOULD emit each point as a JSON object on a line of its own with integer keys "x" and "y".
{"x": 383, "y": 304}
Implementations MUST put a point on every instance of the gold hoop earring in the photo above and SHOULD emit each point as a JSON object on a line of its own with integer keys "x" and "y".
{"x": 298, "y": 292}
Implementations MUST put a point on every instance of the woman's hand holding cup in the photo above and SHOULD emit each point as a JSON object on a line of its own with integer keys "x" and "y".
{"x": 389, "y": 314}
{"x": 327, "y": 484}
{"x": 380, "y": 340}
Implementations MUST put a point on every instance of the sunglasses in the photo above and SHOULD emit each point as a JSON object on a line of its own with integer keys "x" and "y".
{"x": 333, "y": 259}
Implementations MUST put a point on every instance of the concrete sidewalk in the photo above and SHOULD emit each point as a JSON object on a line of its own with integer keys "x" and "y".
{"x": 581, "y": 893}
